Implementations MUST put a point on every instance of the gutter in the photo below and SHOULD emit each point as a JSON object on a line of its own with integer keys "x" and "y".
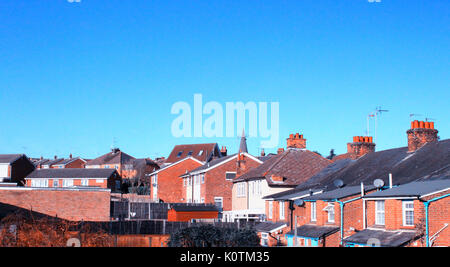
{"x": 427, "y": 204}
{"x": 342, "y": 204}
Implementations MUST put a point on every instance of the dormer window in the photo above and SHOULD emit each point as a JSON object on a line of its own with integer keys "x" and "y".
{"x": 179, "y": 154}
{"x": 190, "y": 153}
{"x": 200, "y": 153}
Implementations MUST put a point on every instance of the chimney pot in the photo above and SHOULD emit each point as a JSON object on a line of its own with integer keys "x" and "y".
{"x": 421, "y": 124}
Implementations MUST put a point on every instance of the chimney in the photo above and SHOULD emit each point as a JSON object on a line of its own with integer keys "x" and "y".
{"x": 223, "y": 151}
{"x": 421, "y": 133}
{"x": 280, "y": 150}
{"x": 277, "y": 178}
{"x": 263, "y": 153}
{"x": 361, "y": 146}
{"x": 296, "y": 141}
{"x": 70, "y": 156}
{"x": 56, "y": 157}
{"x": 241, "y": 166}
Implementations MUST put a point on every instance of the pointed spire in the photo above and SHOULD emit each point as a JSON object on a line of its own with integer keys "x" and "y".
{"x": 243, "y": 145}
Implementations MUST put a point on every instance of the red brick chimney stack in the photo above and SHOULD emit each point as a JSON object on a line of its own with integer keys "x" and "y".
{"x": 263, "y": 153}
{"x": 421, "y": 132}
{"x": 296, "y": 141}
{"x": 223, "y": 151}
{"x": 280, "y": 150}
{"x": 361, "y": 146}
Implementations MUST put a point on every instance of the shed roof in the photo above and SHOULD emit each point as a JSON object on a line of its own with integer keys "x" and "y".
{"x": 386, "y": 238}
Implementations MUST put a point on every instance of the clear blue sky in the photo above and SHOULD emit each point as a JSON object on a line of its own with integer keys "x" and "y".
{"x": 75, "y": 75}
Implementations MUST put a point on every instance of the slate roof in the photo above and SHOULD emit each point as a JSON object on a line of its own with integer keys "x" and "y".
{"x": 71, "y": 173}
{"x": 268, "y": 227}
{"x": 414, "y": 189}
{"x": 212, "y": 163}
{"x": 386, "y": 238}
{"x": 113, "y": 157}
{"x": 430, "y": 162}
{"x": 9, "y": 158}
{"x": 295, "y": 165}
{"x": 66, "y": 161}
{"x": 209, "y": 150}
{"x": 314, "y": 231}
{"x": 340, "y": 193}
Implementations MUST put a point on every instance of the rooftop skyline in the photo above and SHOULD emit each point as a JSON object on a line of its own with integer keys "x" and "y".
{"x": 79, "y": 78}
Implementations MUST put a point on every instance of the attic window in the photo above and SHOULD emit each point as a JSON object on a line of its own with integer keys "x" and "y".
{"x": 230, "y": 175}
{"x": 179, "y": 154}
{"x": 190, "y": 153}
{"x": 200, "y": 153}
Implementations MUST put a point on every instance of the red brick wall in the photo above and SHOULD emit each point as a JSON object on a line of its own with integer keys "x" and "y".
{"x": 66, "y": 204}
{"x": 217, "y": 186}
{"x": 142, "y": 240}
{"x": 170, "y": 184}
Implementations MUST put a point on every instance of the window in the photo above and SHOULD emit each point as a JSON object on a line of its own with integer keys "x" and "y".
{"x": 117, "y": 185}
{"x": 330, "y": 209}
{"x": 200, "y": 153}
{"x": 264, "y": 239}
{"x": 281, "y": 210}
{"x": 179, "y": 154}
{"x": 270, "y": 209}
{"x": 202, "y": 200}
{"x": 116, "y": 167}
{"x": 230, "y": 175}
{"x": 67, "y": 182}
{"x": 379, "y": 212}
{"x": 219, "y": 202}
{"x": 203, "y": 178}
{"x": 55, "y": 183}
{"x": 39, "y": 183}
{"x": 313, "y": 212}
{"x": 84, "y": 182}
{"x": 106, "y": 166}
{"x": 408, "y": 213}
{"x": 190, "y": 153}
{"x": 241, "y": 189}
{"x": 155, "y": 179}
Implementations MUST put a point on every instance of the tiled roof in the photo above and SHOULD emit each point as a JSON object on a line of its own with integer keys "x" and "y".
{"x": 113, "y": 157}
{"x": 340, "y": 193}
{"x": 430, "y": 162}
{"x": 414, "y": 189}
{"x": 212, "y": 163}
{"x": 314, "y": 231}
{"x": 385, "y": 238}
{"x": 71, "y": 173}
{"x": 269, "y": 227}
{"x": 294, "y": 165}
{"x": 182, "y": 151}
{"x": 9, "y": 158}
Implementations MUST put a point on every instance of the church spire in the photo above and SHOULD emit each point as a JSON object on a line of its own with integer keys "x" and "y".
{"x": 243, "y": 145}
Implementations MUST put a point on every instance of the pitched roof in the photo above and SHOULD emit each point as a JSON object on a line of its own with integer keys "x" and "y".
{"x": 414, "y": 189}
{"x": 314, "y": 231}
{"x": 71, "y": 173}
{"x": 269, "y": 227}
{"x": 430, "y": 162}
{"x": 9, "y": 158}
{"x": 294, "y": 165}
{"x": 67, "y": 161}
{"x": 202, "y": 152}
{"x": 386, "y": 238}
{"x": 216, "y": 162}
{"x": 340, "y": 193}
{"x": 114, "y": 157}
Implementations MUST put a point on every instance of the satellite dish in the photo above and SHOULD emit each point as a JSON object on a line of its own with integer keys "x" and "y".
{"x": 338, "y": 183}
{"x": 378, "y": 183}
{"x": 299, "y": 202}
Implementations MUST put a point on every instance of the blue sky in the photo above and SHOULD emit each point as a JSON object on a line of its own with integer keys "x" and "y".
{"x": 75, "y": 76}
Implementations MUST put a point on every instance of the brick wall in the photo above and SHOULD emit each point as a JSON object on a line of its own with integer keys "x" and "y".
{"x": 74, "y": 205}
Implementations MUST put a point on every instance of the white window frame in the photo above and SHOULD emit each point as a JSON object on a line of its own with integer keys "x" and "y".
{"x": 380, "y": 212}
{"x": 282, "y": 207}
{"x": 232, "y": 173}
{"x": 264, "y": 239}
{"x": 67, "y": 182}
{"x": 241, "y": 189}
{"x": 203, "y": 178}
{"x": 84, "y": 182}
{"x": 331, "y": 212}
{"x": 219, "y": 199}
{"x": 313, "y": 211}
{"x": 405, "y": 210}
{"x": 55, "y": 181}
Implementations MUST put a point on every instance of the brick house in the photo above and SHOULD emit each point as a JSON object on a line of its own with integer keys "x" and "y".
{"x": 68, "y": 178}
{"x": 201, "y": 152}
{"x": 166, "y": 185}
{"x": 59, "y": 163}
{"x": 414, "y": 214}
{"x": 15, "y": 167}
{"x": 278, "y": 173}
{"x": 116, "y": 159}
{"x": 394, "y": 167}
{"x": 213, "y": 181}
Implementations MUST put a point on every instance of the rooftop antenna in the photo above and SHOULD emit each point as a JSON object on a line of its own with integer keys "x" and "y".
{"x": 378, "y": 112}
{"x": 429, "y": 119}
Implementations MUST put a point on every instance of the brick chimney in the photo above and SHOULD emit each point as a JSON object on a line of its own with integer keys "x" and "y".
{"x": 223, "y": 151}
{"x": 361, "y": 146}
{"x": 70, "y": 156}
{"x": 296, "y": 141}
{"x": 280, "y": 150}
{"x": 241, "y": 165}
{"x": 421, "y": 132}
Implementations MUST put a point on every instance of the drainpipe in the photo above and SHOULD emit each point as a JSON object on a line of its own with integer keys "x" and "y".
{"x": 427, "y": 204}
{"x": 341, "y": 205}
